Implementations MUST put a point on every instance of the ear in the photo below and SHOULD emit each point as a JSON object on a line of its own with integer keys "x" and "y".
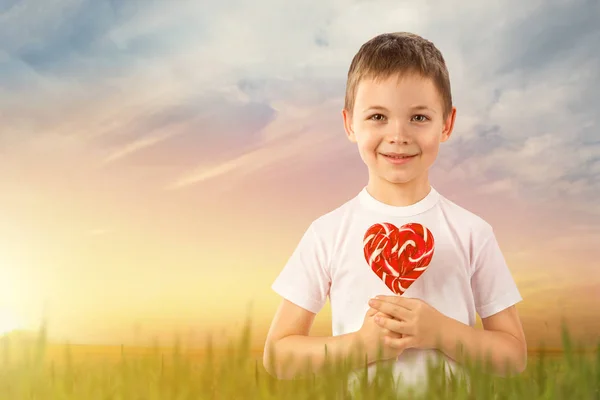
{"x": 348, "y": 125}
{"x": 448, "y": 125}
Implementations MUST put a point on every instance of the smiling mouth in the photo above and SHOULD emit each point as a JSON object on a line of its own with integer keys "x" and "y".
{"x": 398, "y": 156}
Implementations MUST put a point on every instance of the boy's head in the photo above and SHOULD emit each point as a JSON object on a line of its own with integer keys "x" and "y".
{"x": 398, "y": 103}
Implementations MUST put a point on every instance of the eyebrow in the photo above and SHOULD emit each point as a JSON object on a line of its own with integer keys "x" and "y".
{"x": 416, "y": 108}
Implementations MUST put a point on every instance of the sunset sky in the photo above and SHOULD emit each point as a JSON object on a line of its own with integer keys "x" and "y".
{"x": 159, "y": 161}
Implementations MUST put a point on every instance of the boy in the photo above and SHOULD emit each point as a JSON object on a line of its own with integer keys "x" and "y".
{"x": 434, "y": 264}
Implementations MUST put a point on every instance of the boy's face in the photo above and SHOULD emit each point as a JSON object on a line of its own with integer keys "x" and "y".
{"x": 398, "y": 117}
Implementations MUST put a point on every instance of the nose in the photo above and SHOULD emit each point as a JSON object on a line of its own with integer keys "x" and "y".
{"x": 397, "y": 135}
{"x": 398, "y": 140}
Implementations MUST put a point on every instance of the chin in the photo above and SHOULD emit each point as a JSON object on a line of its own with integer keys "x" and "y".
{"x": 397, "y": 180}
{"x": 400, "y": 181}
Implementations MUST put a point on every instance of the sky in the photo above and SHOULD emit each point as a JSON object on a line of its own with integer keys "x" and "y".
{"x": 160, "y": 161}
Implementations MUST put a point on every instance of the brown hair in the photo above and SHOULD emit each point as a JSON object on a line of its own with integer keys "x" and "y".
{"x": 399, "y": 53}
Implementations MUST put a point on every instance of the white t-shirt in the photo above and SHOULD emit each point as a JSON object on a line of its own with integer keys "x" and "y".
{"x": 365, "y": 247}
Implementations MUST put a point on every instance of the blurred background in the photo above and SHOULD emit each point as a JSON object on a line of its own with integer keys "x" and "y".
{"x": 159, "y": 161}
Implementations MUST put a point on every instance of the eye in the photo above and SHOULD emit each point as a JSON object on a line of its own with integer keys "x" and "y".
{"x": 377, "y": 117}
{"x": 424, "y": 117}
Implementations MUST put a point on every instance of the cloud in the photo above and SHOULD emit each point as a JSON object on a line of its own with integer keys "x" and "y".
{"x": 293, "y": 137}
{"x": 527, "y": 112}
{"x": 517, "y": 100}
{"x": 131, "y": 82}
{"x": 135, "y": 146}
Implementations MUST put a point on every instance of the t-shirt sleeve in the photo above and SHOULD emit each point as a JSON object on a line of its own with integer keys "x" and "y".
{"x": 305, "y": 280}
{"x": 494, "y": 288}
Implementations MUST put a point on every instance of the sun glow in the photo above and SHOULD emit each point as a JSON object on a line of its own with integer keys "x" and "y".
{"x": 8, "y": 322}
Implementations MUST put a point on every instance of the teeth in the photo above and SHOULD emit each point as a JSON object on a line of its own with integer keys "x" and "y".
{"x": 397, "y": 156}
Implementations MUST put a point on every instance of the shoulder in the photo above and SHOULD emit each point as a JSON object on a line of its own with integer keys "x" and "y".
{"x": 331, "y": 221}
{"x": 464, "y": 220}
{"x": 473, "y": 232}
{"x": 323, "y": 232}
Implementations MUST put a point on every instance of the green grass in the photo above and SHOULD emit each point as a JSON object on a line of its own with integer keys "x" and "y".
{"x": 26, "y": 372}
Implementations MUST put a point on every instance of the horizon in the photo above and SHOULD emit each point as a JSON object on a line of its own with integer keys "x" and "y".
{"x": 196, "y": 348}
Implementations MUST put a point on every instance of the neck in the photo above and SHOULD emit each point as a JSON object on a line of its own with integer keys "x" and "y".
{"x": 399, "y": 194}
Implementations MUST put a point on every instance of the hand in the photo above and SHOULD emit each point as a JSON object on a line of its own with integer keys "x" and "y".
{"x": 417, "y": 321}
{"x": 371, "y": 336}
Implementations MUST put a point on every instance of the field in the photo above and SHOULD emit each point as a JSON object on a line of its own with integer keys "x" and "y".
{"x": 34, "y": 369}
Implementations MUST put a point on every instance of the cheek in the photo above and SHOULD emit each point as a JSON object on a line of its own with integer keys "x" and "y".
{"x": 429, "y": 147}
{"x": 364, "y": 149}
{"x": 367, "y": 141}
{"x": 429, "y": 143}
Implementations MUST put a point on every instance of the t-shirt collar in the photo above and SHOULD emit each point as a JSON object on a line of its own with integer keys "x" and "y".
{"x": 367, "y": 200}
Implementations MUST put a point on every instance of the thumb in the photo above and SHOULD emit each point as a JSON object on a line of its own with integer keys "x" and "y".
{"x": 401, "y": 343}
{"x": 371, "y": 312}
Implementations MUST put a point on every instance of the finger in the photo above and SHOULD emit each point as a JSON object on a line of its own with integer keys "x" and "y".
{"x": 392, "y": 325}
{"x": 381, "y": 314}
{"x": 387, "y": 332}
{"x": 400, "y": 343}
{"x": 379, "y": 300}
{"x": 393, "y": 310}
{"x": 406, "y": 302}
{"x": 371, "y": 312}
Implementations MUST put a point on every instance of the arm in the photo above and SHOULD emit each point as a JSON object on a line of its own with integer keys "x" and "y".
{"x": 495, "y": 293}
{"x": 288, "y": 337}
{"x": 501, "y": 341}
{"x": 304, "y": 285}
